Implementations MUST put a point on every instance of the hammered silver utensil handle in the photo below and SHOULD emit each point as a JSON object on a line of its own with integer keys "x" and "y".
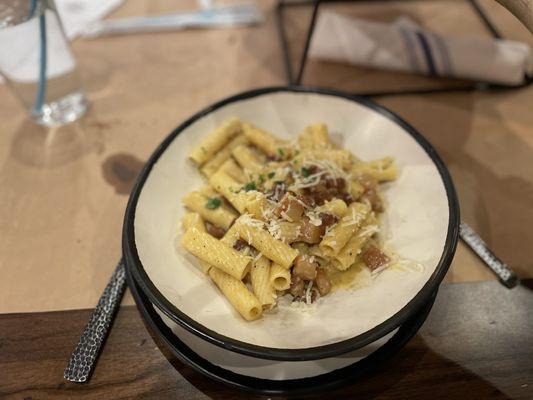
{"x": 478, "y": 246}
{"x": 84, "y": 356}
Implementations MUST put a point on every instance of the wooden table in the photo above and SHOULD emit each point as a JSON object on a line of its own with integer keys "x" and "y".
{"x": 466, "y": 348}
{"x": 63, "y": 193}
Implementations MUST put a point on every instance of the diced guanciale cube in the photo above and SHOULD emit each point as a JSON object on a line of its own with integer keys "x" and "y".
{"x": 297, "y": 286}
{"x": 304, "y": 199}
{"x": 290, "y": 208}
{"x": 240, "y": 244}
{"x": 305, "y": 268}
{"x": 214, "y": 230}
{"x": 310, "y": 233}
{"x": 328, "y": 219}
{"x": 374, "y": 257}
{"x": 338, "y": 184}
{"x": 375, "y": 201}
{"x": 347, "y": 198}
{"x": 322, "y": 282}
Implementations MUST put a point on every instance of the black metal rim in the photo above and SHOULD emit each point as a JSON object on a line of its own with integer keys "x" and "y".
{"x": 133, "y": 262}
{"x": 321, "y": 383}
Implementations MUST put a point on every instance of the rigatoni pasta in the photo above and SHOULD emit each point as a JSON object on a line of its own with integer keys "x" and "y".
{"x": 230, "y": 168}
{"x": 247, "y": 157}
{"x": 238, "y": 294}
{"x": 215, "y": 253}
{"x": 315, "y": 136}
{"x": 280, "y": 277}
{"x": 229, "y": 187}
{"x": 211, "y": 166}
{"x": 283, "y": 218}
{"x": 382, "y": 170}
{"x": 336, "y": 238}
{"x": 193, "y": 220}
{"x": 262, "y": 140}
{"x": 215, "y": 141}
{"x": 349, "y": 252}
{"x": 260, "y": 280}
{"x": 336, "y": 207}
{"x": 251, "y": 231}
{"x": 205, "y": 206}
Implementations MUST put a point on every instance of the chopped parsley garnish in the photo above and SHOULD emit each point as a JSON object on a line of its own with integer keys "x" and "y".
{"x": 250, "y": 186}
{"x": 271, "y": 175}
{"x": 281, "y": 152}
{"x": 261, "y": 178}
{"x": 213, "y": 203}
{"x": 297, "y": 152}
{"x": 305, "y": 172}
{"x": 279, "y": 182}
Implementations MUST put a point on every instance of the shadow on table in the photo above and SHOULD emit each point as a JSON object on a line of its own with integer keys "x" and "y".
{"x": 48, "y": 147}
{"x": 489, "y": 169}
{"x": 44, "y": 177}
{"x": 488, "y": 158}
{"x": 527, "y": 283}
{"x": 416, "y": 372}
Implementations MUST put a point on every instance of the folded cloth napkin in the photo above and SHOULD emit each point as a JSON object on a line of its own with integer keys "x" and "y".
{"x": 76, "y": 15}
{"x": 404, "y": 46}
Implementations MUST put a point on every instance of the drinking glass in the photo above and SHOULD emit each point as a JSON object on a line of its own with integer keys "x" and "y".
{"x": 36, "y": 62}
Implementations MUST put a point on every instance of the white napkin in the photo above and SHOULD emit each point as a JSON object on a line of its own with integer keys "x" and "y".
{"x": 404, "y": 46}
{"x": 76, "y": 15}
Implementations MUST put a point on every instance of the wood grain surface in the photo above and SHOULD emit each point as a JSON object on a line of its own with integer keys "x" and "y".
{"x": 477, "y": 343}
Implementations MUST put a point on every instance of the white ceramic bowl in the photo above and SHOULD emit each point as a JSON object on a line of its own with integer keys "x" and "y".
{"x": 421, "y": 223}
{"x": 271, "y": 376}
{"x": 270, "y": 369}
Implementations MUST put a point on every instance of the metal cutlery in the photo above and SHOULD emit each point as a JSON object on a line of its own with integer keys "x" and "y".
{"x": 83, "y": 359}
{"x": 505, "y": 274}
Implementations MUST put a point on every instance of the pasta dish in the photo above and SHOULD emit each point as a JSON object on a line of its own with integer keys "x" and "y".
{"x": 282, "y": 217}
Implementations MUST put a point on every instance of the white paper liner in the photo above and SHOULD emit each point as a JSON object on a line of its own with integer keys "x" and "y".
{"x": 416, "y": 221}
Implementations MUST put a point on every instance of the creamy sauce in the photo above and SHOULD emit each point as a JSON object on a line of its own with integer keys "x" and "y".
{"x": 355, "y": 277}
{"x": 406, "y": 265}
{"x": 359, "y": 276}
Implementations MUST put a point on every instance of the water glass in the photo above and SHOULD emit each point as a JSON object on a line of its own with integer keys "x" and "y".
{"x": 36, "y": 61}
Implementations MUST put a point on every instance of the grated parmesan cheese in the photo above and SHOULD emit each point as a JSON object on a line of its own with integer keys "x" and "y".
{"x": 257, "y": 257}
{"x": 314, "y": 218}
{"x": 272, "y": 202}
{"x": 330, "y": 167}
{"x": 298, "y": 231}
{"x": 248, "y": 219}
{"x": 368, "y": 231}
{"x": 308, "y": 292}
{"x": 301, "y": 203}
{"x": 329, "y": 229}
{"x": 350, "y": 219}
{"x": 284, "y": 215}
{"x": 274, "y": 229}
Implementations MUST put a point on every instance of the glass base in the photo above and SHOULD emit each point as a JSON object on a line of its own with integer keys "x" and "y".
{"x": 62, "y": 111}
